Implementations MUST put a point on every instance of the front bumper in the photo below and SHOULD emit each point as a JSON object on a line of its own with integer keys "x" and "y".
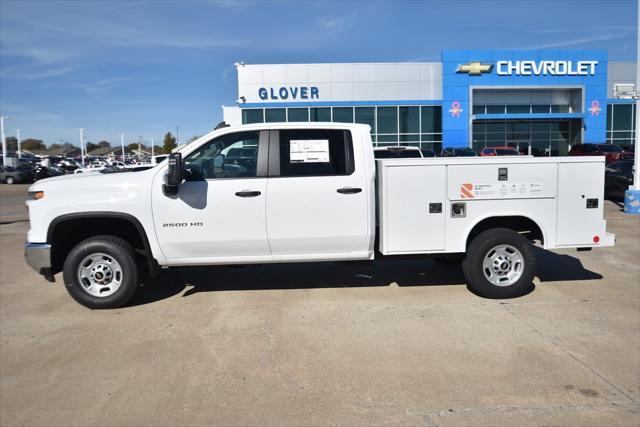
{"x": 38, "y": 256}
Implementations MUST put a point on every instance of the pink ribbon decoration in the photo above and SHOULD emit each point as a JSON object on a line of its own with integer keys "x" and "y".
{"x": 455, "y": 109}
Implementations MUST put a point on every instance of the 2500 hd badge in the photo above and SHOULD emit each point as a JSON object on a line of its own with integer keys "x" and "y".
{"x": 182, "y": 224}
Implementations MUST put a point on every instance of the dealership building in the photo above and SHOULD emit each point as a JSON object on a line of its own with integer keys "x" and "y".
{"x": 540, "y": 101}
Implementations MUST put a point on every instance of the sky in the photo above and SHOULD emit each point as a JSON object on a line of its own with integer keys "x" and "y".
{"x": 144, "y": 67}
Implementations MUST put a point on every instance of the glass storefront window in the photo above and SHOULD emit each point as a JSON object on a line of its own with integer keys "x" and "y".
{"x": 409, "y": 118}
{"x": 388, "y": 138}
{"x": 544, "y": 136}
{"x": 559, "y": 108}
{"x": 254, "y": 115}
{"x": 478, "y": 109}
{"x": 517, "y": 109}
{"x": 431, "y": 137}
{"x": 275, "y": 115}
{"x": 540, "y": 148}
{"x": 495, "y": 109}
{"x": 541, "y": 109}
{"x": 387, "y": 120}
{"x": 621, "y": 124}
{"x": 495, "y": 127}
{"x": 410, "y": 138}
{"x": 622, "y": 116}
{"x": 540, "y": 126}
{"x": 320, "y": 114}
{"x": 367, "y": 116}
{"x": 343, "y": 114}
{"x": 298, "y": 114}
{"x": 431, "y": 119}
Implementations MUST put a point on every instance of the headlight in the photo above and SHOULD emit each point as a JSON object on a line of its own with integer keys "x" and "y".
{"x": 36, "y": 195}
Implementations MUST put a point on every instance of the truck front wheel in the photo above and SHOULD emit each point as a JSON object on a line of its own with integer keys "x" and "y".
{"x": 101, "y": 272}
{"x": 500, "y": 264}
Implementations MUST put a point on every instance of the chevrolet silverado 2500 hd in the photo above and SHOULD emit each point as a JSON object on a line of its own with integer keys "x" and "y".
{"x": 295, "y": 192}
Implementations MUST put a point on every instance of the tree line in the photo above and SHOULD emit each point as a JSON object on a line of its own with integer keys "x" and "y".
{"x": 33, "y": 144}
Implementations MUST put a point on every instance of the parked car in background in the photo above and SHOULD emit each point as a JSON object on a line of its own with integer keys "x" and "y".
{"x": 11, "y": 175}
{"x": 428, "y": 153}
{"x": 157, "y": 159}
{"x": 628, "y": 147}
{"x": 499, "y": 151}
{"x": 117, "y": 164}
{"x": 458, "y": 152}
{"x": 42, "y": 171}
{"x": 396, "y": 152}
{"x": 611, "y": 152}
{"x": 618, "y": 176}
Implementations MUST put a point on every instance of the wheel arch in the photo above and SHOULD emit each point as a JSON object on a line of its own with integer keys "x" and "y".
{"x": 518, "y": 222}
{"x": 88, "y": 224}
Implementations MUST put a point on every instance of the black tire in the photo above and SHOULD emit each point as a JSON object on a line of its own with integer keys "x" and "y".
{"x": 10, "y": 180}
{"x": 481, "y": 246}
{"x": 114, "y": 247}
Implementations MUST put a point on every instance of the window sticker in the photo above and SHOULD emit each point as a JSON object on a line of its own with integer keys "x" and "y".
{"x": 309, "y": 151}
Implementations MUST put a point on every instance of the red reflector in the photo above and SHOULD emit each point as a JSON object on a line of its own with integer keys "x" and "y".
{"x": 596, "y": 239}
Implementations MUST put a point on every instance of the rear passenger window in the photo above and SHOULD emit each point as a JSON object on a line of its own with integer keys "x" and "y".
{"x": 315, "y": 152}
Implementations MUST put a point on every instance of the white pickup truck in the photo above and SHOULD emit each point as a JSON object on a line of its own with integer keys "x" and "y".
{"x": 300, "y": 192}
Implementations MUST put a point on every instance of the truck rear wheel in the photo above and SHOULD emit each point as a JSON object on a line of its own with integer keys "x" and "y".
{"x": 101, "y": 272}
{"x": 500, "y": 264}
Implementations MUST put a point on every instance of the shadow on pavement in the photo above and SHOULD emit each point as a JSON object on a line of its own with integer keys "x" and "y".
{"x": 382, "y": 272}
{"x": 553, "y": 267}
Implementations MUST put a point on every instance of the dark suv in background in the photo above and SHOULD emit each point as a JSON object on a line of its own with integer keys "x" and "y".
{"x": 611, "y": 152}
{"x": 11, "y": 175}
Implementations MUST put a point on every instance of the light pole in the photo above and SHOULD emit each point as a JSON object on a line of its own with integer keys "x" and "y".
{"x": 122, "y": 143}
{"x": 18, "y": 138}
{"x": 152, "y": 151}
{"x": 632, "y": 195}
{"x": 82, "y": 146}
{"x": 140, "y": 146}
{"x": 4, "y": 141}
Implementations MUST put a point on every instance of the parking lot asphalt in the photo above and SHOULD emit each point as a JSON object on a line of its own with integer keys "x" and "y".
{"x": 386, "y": 343}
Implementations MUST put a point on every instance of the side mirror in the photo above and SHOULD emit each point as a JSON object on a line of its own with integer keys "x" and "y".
{"x": 174, "y": 174}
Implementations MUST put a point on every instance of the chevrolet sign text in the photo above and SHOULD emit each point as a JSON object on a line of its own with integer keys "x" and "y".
{"x": 544, "y": 68}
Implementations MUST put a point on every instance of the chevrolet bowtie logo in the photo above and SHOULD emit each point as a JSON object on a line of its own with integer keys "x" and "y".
{"x": 474, "y": 68}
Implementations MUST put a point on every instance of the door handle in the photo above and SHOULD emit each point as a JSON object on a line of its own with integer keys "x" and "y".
{"x": 349, "y": 190}
{"x": 247, "y": 193}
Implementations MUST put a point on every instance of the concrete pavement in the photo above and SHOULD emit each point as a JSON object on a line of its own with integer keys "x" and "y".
{"x": 388, "y": 343}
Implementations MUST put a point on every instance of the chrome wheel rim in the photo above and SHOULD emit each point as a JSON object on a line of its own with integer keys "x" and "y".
{"x": 503, "y": 265}
{"x": 100, "y": 275}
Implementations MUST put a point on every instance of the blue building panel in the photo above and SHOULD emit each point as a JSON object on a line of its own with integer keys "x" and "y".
{"x": 464, "y": 70}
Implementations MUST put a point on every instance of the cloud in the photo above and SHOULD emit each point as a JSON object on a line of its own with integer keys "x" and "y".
{"x": 579, "y": 41}
{"x": 334, "y": 23}
{"x": 594, "y": 29}
{"x": 104, "y": 85}
{"x": 31, "y": 74}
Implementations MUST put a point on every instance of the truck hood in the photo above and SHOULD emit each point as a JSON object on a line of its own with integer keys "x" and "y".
{"x": 91, "y": 181}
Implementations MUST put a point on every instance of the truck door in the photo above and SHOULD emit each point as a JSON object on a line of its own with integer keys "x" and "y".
{"x": 317, "y": 199}
{"x": 219, "y": 211}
